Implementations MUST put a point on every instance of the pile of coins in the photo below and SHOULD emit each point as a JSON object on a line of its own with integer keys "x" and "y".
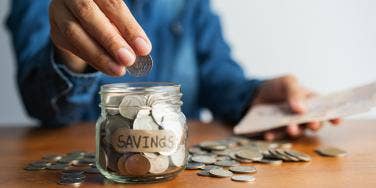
{"x": 223, "y": 158}
{"x": 142, "y": 134}
{"x": 73, "y": 166}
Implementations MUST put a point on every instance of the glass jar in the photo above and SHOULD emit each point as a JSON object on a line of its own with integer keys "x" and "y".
{"x": 141, "y": 134}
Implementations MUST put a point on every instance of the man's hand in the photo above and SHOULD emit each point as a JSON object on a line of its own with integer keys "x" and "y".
{"x": 102, "y": 33}
{"x": 287, "y": 89}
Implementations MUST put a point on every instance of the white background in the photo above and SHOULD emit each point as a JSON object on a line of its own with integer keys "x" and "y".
{"x": 328, "y": 44}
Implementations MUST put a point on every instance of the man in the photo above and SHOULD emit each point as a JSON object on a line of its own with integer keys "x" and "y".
{"x": 63, "y": 58}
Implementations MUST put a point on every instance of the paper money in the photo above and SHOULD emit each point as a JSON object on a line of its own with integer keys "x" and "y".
{"x": 339, "y": 104}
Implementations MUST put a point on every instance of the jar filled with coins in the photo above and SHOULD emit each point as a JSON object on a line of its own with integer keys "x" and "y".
{"x": 141, "y": 134}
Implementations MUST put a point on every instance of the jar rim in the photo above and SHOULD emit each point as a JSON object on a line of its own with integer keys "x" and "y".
{"x": 139, "y": 86}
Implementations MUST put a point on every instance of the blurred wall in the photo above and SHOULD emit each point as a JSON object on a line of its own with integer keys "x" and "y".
{"x": 328, "y": 44}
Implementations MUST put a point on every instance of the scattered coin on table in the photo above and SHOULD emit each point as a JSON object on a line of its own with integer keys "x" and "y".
{"x": 331, "y": 152}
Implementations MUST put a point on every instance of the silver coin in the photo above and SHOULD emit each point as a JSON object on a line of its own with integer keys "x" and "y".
{"x": 158, "y": 164}
{"x": 227, "y": 163}
{"x": 243, "y": 178}
{"x": 243, "y": 169}
{"x": 197, "y": 150}
{"x": 159, "y": 111}
{"x": 209, "y": 167}
{"x": 271, "y": 161}
{"x": 74, "y": 182}
{"x": 249, "y": 154}
{"x": 58, "y": 166}
{"x": 204, "y": 159}
{"x": 331, "y": 152}
{"x": 204, "y": 173}
{"x": 220, "y": 172}
{"x": 33, "y": 168}
{"x": 194, "y": 166}
{"x": 178, "y": 158}
{"x": 141, "y": 66}
{"x": 72, "y": 172}
{"x": 144, "y": 121}
{"x": 130, "y": 105}
{"x": 212, "y": 145}
{"x": 73, "y": 176}
{"x": 301, "y": 156}
{"x": 52, "y": 157}
{"x": 92, "y": 171}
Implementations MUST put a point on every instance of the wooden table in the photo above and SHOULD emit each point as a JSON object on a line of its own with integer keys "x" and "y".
{"x": 19, "y": 146}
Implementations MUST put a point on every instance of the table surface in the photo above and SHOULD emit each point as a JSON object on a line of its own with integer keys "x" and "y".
{"x": 22, "y": 145}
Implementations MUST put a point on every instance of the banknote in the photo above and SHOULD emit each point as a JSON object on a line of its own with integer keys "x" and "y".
{"x": 338, "y": 104}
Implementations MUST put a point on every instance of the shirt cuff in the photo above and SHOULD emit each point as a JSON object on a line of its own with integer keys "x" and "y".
{"x": 80, "y": 85}
{"x": 247, "y": 94}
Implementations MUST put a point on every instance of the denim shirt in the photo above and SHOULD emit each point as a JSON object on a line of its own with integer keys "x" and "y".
{"x": 188, "y": 49}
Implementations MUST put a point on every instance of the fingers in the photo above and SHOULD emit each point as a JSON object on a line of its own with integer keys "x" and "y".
{"x": 122, "y": 18}
{"x": 294, "y": 93}
{"x": 274, "y": 135}
{"x": 71, "y": 36}
{"x": 99, "y": 27}
{"x": 314, "y": 126}
{"x": 294, "y": 130}
{"x": 336, "y": 121}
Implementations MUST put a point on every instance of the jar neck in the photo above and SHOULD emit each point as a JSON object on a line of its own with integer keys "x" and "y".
{"x": 147, "y": 94}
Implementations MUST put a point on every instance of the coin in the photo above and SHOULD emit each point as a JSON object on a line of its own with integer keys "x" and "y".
{"x": 92, "y": 170}
{"x": 130, "y": 105}
{"x": 243, "y": 178}
{"x": 227, "y": 163}
{"x": 52, "y": 157}
{"x": 144, "y": 121}
{"x": 74, "y": 182}
{"x": 220, "y": 172}
{"x": 249, "y": 154}
{"x": 331, "y": 152}
{"x": 58, "y": 166}
{"x": 72, "y": 172}
{"x": 204, "y": 159}
{"x": 209, "y": 167}
{"x": 33, "y": 168}
{"x": 113, "y": 123}
{"x": 121, "y": 165}
{"x": 301, "y": 156}
{"x": 203, "y": 173}
{"x": 211, "y": 145}
{"x": 137, "y": 165}
{"x": 194, "y": 166}
{"x": 197, "y": 150}
{"x": 160, "y": 110}
{"x": 178, "y": 158}
{"x": 243, "y": 169}
{"x": 103, "y": 160}
{"x": 141, "y": 66}
{"x": 270, "y": 161}
{"x": 158, "y": 164}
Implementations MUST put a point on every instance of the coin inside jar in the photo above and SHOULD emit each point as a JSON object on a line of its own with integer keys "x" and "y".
{"x": 137, "y": 165}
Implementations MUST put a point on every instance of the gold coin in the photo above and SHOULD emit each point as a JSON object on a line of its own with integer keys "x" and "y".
{"x": 137, "y": 165}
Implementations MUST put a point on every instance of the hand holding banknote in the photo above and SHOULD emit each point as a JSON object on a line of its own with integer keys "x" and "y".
{"x": 287, "y": 89}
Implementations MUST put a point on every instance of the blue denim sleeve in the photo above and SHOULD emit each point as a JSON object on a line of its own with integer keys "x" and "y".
{"x": 224, "y": 89}
{"x": 50, "y": 92}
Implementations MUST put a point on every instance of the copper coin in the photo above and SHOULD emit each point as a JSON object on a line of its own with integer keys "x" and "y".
{"x": 121, "y": 165}
{"x": 137, "y": 165}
